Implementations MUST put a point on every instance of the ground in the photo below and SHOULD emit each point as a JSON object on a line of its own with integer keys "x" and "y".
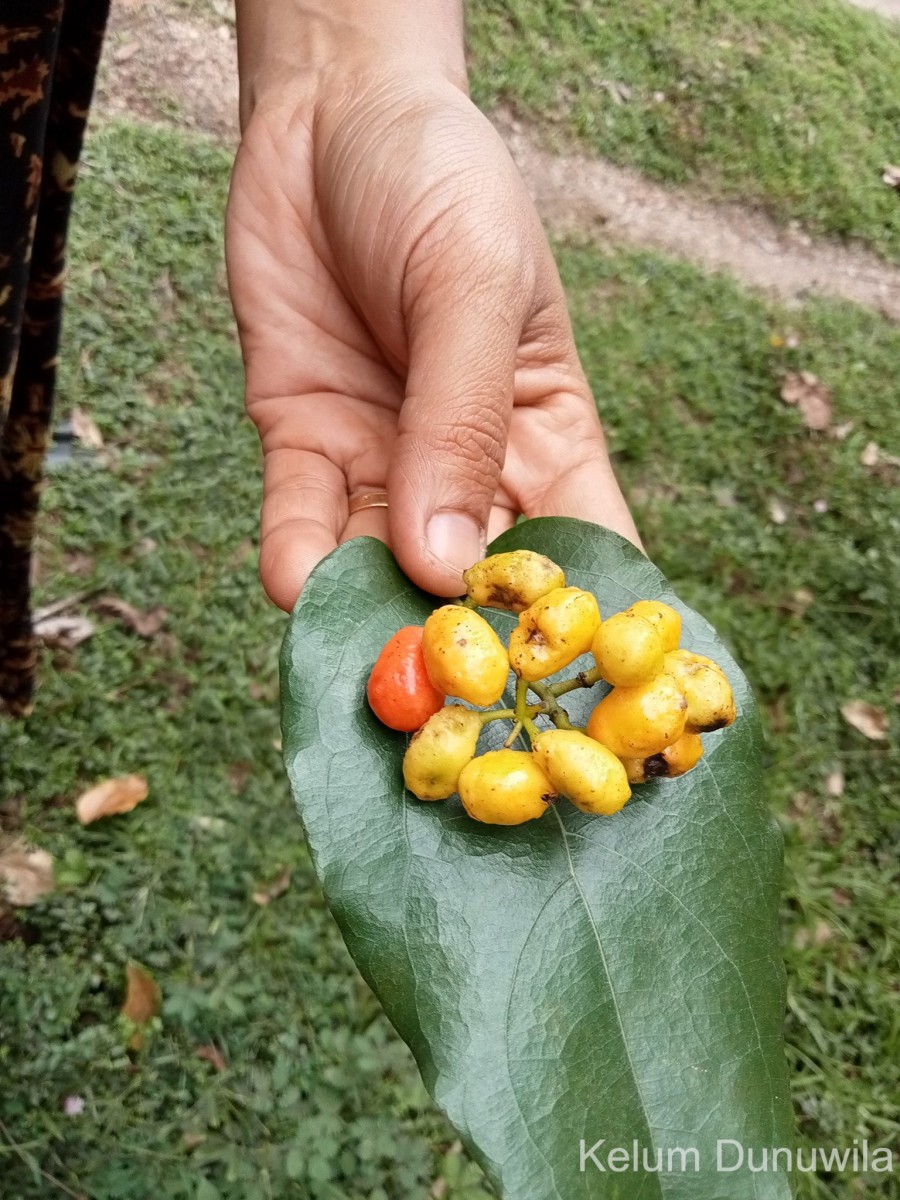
{"x": 177, "y": 65}
{"x": 270, "y": 1070}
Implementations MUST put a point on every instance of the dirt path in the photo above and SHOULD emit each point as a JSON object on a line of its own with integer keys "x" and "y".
{"x": 165, "y": 67}
{"x": 887, "y": 8}
{"x": 575, "y": 194}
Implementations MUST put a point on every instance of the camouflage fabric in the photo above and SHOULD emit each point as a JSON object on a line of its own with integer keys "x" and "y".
{"x": 49, "y": 50}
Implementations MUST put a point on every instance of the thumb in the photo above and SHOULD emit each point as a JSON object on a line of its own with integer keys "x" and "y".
{"x": 452, "y": 431}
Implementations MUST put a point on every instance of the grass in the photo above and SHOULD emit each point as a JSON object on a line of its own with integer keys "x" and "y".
{"x": 688, "y": 382}
{"x": 318, "y": 1099}
{"x": 792, "y": 107}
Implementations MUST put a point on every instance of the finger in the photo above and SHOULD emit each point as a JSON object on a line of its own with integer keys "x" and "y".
{"x": 499, "y": 521}
{"x": 582, "y": 484}
{"x": 304, "y": 509}
{"x": 452, "y": 433}
{"x": 368, "y": 522}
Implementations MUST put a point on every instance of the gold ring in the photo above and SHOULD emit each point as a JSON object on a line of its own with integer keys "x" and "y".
{"x": 367, "y": 500}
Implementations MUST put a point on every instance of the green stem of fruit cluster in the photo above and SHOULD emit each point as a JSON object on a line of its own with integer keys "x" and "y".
{"x": 513, "y": 734}
{"x": 555, "y": 711}
{"x": 510, "y": 714}
{"x": 584, "y": 679}
{"x": 523, "y": 712}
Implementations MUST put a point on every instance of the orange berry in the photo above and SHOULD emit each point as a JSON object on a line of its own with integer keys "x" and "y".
{"x": 400, "y": 693}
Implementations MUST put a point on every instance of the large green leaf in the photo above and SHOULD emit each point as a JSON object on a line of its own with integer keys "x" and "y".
{"x": 574, "y": 979}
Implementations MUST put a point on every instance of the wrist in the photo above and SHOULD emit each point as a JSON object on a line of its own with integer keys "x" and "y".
{"x": 286, "y": 45}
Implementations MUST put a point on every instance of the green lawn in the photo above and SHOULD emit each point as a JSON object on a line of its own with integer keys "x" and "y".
{"x": 318, "y": 1099}
{"x": 793, "y": 107}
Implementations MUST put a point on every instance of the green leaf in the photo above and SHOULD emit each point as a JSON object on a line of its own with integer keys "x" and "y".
{"x": 574, "y": 979}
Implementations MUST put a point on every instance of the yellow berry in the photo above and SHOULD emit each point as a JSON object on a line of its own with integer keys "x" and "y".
{"x": 628, "y": 649}
{"x": 589, "y": 774}
{"x": 439, "y": 751}
{"x": 505, "y": 787}
{"x": 634, "y": 769}
{"x": 663, "y": 617}
{"x": 636, "y": 722}
{"x": 675, "y": 760}
{"x": 463, "y": 655}
{"x": 710, "y": 700}
{"x": 553, "y": 632}
{"x": 512, "y": 581}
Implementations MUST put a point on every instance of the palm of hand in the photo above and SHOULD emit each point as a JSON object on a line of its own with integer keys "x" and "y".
{"x": 402, "y": 326}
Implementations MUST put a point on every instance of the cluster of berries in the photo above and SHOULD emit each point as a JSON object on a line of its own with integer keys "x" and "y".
{"x": 647, "y": 726}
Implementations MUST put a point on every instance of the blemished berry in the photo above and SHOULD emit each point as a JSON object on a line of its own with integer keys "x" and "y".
{"x": 636, "y": 722}
{"x": 439, "y": 751}
{"x": 582, "y": 769}
{"x": 675, "y": 760}
{"x": 553, "y": 632}
{"x": 512, "y": 581}
{"x": 710, "y": 700}
{"x": 463, "y": 655}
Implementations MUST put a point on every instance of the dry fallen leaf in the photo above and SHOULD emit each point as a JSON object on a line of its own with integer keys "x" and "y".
{"x": 834, "y": 782}
{"x": 209, "y": 824}
{"x": 64, "y": 632}
{"x": 126, "y": 52}
{"x": 819, "y": 936}
{"x": 142, "y": 1000}
{"x": 868, "y": 719}
{"x": 840, "y": 432}
{"x": 238, "y": 774}
{"x": 144, "y": 624}
{"x": 873, "y": 456}
{"x": 620, "y": 92}
{"x": 276, "y": 888}
{"x": 806, "y": 392}
{"x": 110, "y": 797}
{"x": 85, "y": 430}
{"x": 26, "y": 874}
{"x": 799, "y": 602}
{"x": 211, "y": 1054}
{"x": 870, "y": 455}
{"x": 724, "y": 496}
{"x": 891, "y": 176}
{"x": 191, "y": 1141}
{"x": 778, "y": 512}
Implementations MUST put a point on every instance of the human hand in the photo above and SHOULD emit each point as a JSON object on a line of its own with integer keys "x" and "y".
{"x": 403, "y": 328}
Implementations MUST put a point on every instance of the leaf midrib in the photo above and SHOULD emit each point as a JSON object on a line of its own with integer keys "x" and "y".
{"x": 660, "y": 1190}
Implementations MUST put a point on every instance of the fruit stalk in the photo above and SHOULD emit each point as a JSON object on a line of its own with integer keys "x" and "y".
{"x": 522, "y": 713}
{"x": 555, "y": 711}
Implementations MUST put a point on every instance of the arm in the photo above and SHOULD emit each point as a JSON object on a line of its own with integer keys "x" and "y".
{"x": 281, "y": 40}
{"x": 401, "y": 317}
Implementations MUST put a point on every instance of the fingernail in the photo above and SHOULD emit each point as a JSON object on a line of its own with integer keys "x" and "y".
{"x": 456, "y": 539}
